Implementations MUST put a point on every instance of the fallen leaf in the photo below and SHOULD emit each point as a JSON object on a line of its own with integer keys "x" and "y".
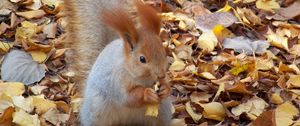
{"x": 236, "y": 70}
{"x": 220, "y": 90}
{"x": 295, "y": 50}
{"x": 55, "y": 118}
{"x": 276, "y": 98}
{"x": 213, "y": 110}
{"x": 248, "y": 16}
{"x": 264, "y": 64}
{"x": 254, "y": 106}
{"x": 278, "y": 41}
{"x": 196, "y": 116}
{"x": 3, "y": 28}
{"x": 288, "y": 13}
{"x": 244, "y": 45}
{"x": 50, "y": 30}
{"x": 24, "y": 119}
{"x": 4, "y": 46}
{"x": 207, "y": 75}
{"x": 207, "y": 22}
{"x": 200, "y": 97}
{"x": 207, "y": 41}
{"x": 37, "y": 89}
{"x": 178, "y": 122}
{"x": 178, "y": 64}
{"x": 221, "y": 33}
{"x": 6, "y": 116}
{"x": 38, "y": 56}
{"x": 23, "y": 103}
{"x": 18, "y": 66}
{"x": 36, "y": 5}
{"x": 75, "y": 104}
{"x": 267, "y": 118}
{"x": 294, "y": 81}
{"x": 12, "y": 88}
{"x": 285, "y": 113}
{"x": 267, "y": 5}
{"x": 32, "y": 14}
{"x": 239, "y": 88}
{"x": 42, "y": 105}
{"x": 226, "y": 8}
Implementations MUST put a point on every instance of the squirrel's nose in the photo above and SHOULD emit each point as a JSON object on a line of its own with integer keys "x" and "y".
{"x": 162, "y": 76}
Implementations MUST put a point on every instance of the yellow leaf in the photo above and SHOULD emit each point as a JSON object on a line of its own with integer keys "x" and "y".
{"x": 178, "y": 64}
{"x": 75, "y": 104}
{"x": 152, "y": 109}
{"x": 285, "y": 113}
{"x": 253, "y": 106}
{"x": 24, "y": 119}
{"x": 37, "y": 89}
{"x": 220, "y": 90}
{"x": 267, "y": 5}
{"x": 264, "y": 64}
{"x": 54, "y": 117}
{"x": 222, "y": 32}
{"x": 207, "y": 41}
{"x": 27, "y": 31}
{"x": 4, "y": 46}
{"x": 238, "y": 69}
{"x": 195, "y": 116}
{"x": 276, "y": 98}
{"x": 42, "y": 105}
{"x": 294, "y": 81}
{"x": 38, "y": 56}
{"x": 226, "y": 8}
{"x": 214, "y": 110}
{"x": 278, "y": 41}
{"x": 23, "y": 103}
{"x": 12, "y": 88}
{"x": 207, "y": 75}
{"x": 4, "y": 105}
{"x": 182, "y": 25}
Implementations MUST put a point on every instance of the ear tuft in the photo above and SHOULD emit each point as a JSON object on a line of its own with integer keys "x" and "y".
{"x": 120, "y": 21}
{"x": 148, "y": 17}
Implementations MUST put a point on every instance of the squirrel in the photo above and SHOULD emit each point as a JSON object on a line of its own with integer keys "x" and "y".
{"x": 119, "y": 85}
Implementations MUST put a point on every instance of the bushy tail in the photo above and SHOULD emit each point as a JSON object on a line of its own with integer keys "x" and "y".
{"x": 87, "y": 36}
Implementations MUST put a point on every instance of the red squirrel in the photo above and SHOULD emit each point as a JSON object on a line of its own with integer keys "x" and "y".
{"x": 119, "y": 85}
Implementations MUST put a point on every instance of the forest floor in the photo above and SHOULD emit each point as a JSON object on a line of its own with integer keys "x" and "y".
{"x": 232, "y": 62}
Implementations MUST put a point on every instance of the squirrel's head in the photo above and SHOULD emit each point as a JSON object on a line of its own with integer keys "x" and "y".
{"x": 145, "y": 56}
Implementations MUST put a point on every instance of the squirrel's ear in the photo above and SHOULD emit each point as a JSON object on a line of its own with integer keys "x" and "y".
{"x": 148, "y": 17}
{"x": 121, "y": 22}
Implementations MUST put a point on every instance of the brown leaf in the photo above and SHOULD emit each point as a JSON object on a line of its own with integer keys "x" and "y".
{"x": 267, "y": 118}
{"x": 239, "y": 88}
{"x": 32, "y": 14}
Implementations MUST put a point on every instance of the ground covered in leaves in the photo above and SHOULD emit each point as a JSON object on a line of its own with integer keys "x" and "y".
{"x": 232, "y": 62}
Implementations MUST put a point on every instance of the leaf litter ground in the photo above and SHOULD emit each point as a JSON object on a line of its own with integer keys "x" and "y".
{"x": 232, "y": 62}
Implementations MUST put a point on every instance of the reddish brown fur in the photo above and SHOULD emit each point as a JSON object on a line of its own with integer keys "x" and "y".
{"x": 121, "y": 22}
{"x": 148, "y": 17}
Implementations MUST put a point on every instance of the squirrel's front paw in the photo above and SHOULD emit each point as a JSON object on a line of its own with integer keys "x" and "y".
{"x": 150, "y": 96}
{"x": 164, "y": 91}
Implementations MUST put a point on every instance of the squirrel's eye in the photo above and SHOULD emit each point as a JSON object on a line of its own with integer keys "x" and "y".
{"x": 142, "y": 59}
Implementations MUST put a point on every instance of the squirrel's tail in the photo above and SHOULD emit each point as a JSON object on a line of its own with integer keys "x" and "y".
{"x": 87, "y": 36}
